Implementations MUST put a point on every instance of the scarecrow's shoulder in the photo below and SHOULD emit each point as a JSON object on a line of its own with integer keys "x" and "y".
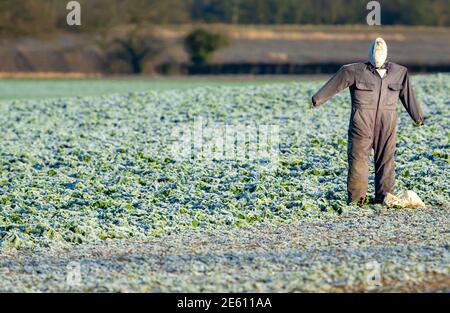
{"x": 353, "y": 67}
{"x": 397, "y": 67}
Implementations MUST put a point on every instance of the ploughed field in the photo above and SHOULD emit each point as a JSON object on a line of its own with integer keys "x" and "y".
{"x": 96, "y": 181}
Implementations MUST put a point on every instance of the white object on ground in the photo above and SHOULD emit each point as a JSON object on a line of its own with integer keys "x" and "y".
{"x": 405, "y": 199}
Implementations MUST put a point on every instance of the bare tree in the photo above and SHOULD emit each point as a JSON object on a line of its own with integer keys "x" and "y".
{"x": 135, "y": 46}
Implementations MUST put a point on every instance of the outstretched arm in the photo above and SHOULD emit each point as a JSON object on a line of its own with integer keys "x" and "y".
{"x": 409, "y": 101}
{"x": 344, "y": 78}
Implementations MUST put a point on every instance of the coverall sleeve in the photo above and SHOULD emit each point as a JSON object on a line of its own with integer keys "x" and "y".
{"x": 344, "y": 78}
{"x": 409, "y": 101}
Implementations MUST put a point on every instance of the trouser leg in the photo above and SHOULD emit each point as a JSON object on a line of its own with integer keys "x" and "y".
{"x": 384, "y": 158}
{"x": 358, "y": 171}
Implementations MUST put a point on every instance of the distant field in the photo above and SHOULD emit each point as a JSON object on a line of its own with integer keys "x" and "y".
{"x": 248, "y": 45}
{"x": 36, "y": 89}
{"x": 39, "y": 89}
{"x": 315, "y": 43}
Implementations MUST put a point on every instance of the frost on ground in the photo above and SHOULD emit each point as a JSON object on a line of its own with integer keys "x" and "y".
{"x": 410, "y": 248}
{"x": 82, "y": 178}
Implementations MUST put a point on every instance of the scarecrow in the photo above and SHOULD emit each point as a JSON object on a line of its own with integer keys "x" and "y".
{"x": 375, "y": 87}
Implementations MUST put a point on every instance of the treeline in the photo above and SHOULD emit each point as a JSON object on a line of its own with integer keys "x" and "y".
{"x": 405, "y": 12}
{"x": 44, "y": 16}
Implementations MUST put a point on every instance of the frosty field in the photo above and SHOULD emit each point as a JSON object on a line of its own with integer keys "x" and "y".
{"x": 94, "y": 180}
